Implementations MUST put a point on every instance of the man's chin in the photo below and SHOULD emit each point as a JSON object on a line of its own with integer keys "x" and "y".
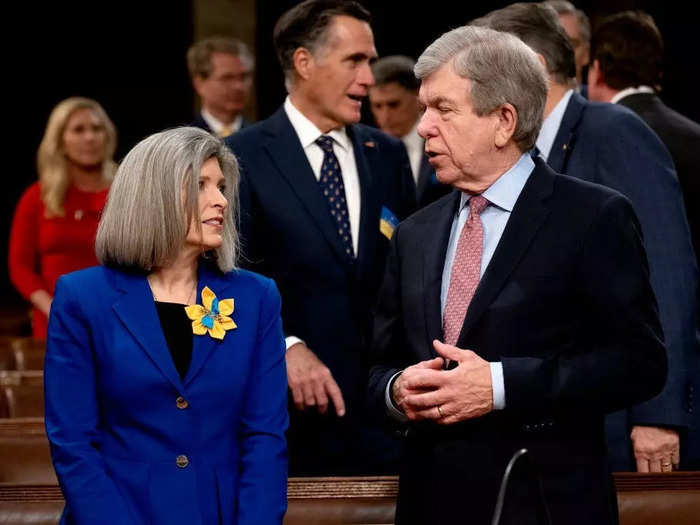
{"x": 446, "y": 176}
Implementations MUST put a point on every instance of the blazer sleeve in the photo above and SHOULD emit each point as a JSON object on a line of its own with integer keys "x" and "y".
{"x": 72, "y": 416}
{"x": 263, "y": 465}
{"x": 645, "y": 174}
{"x": 405, "y": 187}
{"x": 388, "y": 355}
{"x": 618, "y": 358}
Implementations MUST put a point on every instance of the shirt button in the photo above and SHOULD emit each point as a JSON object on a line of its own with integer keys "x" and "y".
{"x": 182, "y": 461}
{"x": 181, "y": 403}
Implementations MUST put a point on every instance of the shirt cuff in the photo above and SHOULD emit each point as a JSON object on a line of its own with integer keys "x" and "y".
{"x": 292, "y": 340}
{"x": 498, "y": 386}
{"x": 391, "y": 409}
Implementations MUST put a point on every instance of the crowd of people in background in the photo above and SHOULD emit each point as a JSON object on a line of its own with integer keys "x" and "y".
{"x": 355, "y": 229}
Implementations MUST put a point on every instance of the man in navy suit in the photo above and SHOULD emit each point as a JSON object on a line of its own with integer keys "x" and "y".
{"x": 221, "y": 70}
{"x": 610, "y": 145}
{"x": 500, "y": 325}
{"x": 627, "y": 52}
{"x": 394, "y": 103}
{"x": 320, "y": 197}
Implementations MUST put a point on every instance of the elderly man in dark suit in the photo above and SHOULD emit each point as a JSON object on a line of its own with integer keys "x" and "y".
{"x": 627, "y": 70}
{"x": 221, "y": 70}
{"x": 610, "y": 145}
{"x": 320, "y": 198}
{"x": 516, "y": 311}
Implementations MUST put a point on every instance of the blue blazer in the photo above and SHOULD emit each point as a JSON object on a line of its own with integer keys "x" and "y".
{"x": 125, "y": 447}
{"x": 610, "y": 145}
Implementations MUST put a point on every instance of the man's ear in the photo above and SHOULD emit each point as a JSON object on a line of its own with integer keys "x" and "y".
{"x": 505, "y": 125}
{"x": 595, "y": 74}
{"x": 303, "y": 62}
{"x": 197, "y": 84}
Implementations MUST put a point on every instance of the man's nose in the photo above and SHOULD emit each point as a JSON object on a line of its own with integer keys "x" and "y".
{"x": 365, "y": 76}
{"x": 425, "y": 125}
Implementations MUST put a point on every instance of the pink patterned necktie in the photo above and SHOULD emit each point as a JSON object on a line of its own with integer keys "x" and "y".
{"x": 466, "y": 269}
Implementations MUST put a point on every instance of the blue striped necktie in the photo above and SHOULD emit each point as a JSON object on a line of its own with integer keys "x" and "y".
{"x": 331, "y": 183}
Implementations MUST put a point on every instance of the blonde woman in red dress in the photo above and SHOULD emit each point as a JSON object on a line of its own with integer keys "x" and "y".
{"x": 55, "y": 222}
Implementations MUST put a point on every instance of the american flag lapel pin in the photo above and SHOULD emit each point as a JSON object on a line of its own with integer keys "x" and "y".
{"x": 369, "y": 144}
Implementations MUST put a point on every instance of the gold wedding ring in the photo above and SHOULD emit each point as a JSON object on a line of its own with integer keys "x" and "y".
{"x": 439, "y": 411}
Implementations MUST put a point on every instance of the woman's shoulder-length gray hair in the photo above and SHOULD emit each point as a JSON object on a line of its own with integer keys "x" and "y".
{"x": 155, "y": 196}
{"x": 501, "y": 69}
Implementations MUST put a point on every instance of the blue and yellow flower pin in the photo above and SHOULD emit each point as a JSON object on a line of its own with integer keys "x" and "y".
{"x": 211, "y": 316}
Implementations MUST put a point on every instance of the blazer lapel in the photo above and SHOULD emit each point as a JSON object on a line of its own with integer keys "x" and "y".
{"x": 439, "y": 224}
{"x": 204, "y": 345}
{"x": 527, "y": 217}
{"x": 566, "y": 135}
{"x": 365, "y": 151}
{"x": 284, "y": 149}
{"x": 136, "y": 309}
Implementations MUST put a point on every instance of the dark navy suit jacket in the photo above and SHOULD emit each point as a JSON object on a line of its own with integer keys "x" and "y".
{"x": 565, "y": 304}
{"x": 112, "y": 414}
{"x": 682, "y": 138}
{"x": 288, "y": 234}
{"x": 610, "y": 145}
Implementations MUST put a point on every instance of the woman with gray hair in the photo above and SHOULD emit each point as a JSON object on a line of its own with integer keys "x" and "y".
{"x": 166, "y": 396}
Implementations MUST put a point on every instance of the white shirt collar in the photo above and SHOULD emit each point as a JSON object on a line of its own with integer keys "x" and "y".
{"x": 630, "y": 91}
{"x": 412, "y": 139}
{"x": 551, "y": 124}
{"x": 307, "y": 130}
{"x": 216, "y": 125}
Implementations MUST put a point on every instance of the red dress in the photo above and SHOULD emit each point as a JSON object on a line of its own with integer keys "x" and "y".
{"x": 41, "y": 249}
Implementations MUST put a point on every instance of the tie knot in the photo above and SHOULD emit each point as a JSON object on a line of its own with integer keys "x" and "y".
{"x": 477, "y": 204}
{"x": 326, "y": 143}
{"x": 225, "y": 131}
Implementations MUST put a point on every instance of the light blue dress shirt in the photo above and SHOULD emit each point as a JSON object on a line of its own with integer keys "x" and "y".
{"x": 502, "y": 196}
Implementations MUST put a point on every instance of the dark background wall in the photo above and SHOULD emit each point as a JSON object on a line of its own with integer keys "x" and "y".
{"x": 399, "y": 29}
{"x": 130, "y": 56}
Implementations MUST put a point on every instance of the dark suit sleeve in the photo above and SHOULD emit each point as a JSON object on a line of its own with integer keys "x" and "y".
{"x": 645, "y": 174}
{"x": 262, "y": 493}
{"x": 388, "y": 353}
{"x": 72, "y": 416}
{"x": 406, "y": 188}
{"x": 618, "y": 359}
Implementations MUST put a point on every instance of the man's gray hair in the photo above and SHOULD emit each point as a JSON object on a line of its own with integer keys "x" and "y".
{"x": 501, "y": 69}
{"x": 396, "y": 69}
{"x": 199, "y": 54}
{"x": 155, "y": 197}
{"x": 536, "y": 24}
{"x": 562, "y": 7}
